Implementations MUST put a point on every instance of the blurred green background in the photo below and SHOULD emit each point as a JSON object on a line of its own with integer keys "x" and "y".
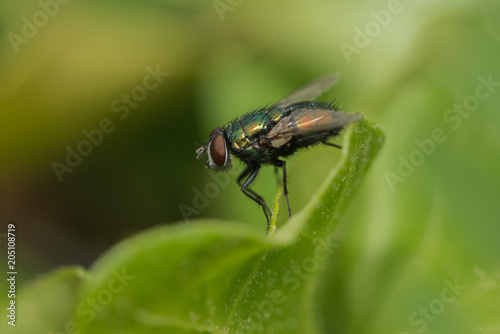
{"x": 403, "y": 64}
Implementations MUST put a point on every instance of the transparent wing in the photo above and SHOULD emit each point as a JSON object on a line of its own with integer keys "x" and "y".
{"x": 311, "y": 90}
{"x": 303, "y": 122}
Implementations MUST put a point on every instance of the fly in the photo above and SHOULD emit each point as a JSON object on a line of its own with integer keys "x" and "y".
{"x": 268, "y": 135}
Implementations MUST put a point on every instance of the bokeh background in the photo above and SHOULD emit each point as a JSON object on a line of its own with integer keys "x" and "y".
{"x": 404, "y": 64}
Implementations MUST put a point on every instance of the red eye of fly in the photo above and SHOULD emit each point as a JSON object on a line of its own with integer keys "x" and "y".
{"x": 218, "y": 150}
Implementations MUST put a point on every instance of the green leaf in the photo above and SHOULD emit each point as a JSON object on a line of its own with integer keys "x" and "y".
{"x": 223, "y": 277}
{"x": 226, "y": 277}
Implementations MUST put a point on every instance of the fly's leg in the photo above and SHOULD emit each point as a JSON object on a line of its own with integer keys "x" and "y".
{"x": 252, "y": 172}
{"x": 243, "y": 175}
{"x": 240, "y": 182}
{"x": 276, "y": 175}
{"x": 282, "y": 164}
{"x": 330, "y": 144}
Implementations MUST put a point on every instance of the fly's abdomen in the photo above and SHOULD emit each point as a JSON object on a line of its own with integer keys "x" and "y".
{"x": 306, "y": 121}
{"x": 308, "y": 118}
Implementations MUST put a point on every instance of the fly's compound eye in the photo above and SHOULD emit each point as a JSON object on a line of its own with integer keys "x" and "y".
{"x": 218, "y": 156}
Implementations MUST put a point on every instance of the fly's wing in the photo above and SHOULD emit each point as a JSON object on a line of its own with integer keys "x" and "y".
{"x": 310, "y": 90}
{"x": 306, "y": 121}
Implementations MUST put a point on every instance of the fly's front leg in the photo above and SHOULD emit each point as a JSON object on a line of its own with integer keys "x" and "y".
{"x": 252, "y": 172}
{"x": 245, "y": 174}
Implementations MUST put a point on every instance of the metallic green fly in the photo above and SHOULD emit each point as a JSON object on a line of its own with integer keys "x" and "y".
{"x": 266, "y": 136}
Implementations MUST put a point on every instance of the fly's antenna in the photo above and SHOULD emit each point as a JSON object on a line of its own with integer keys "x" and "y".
{"x": 201, "y": 151}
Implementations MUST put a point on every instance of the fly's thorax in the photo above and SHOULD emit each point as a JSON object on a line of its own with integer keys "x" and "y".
{"x": 245, "y": 131}
{"x": 244, "y": 134}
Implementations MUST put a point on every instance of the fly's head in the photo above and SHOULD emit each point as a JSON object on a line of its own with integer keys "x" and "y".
{"x": 217, "y": 151}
